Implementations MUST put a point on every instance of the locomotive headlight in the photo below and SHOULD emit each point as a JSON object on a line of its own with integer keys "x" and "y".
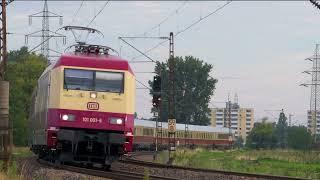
{"x": 68, "y": 117}
{"x": 65, "y": 117}
{"x": 93, "y": 95}
{"x": 118, "y": 121}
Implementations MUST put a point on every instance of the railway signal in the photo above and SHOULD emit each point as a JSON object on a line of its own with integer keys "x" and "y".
{"x": 156, "y": 83}
{"x": 156, "y": 99}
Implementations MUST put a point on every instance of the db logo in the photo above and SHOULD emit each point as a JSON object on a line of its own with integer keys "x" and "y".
{"x": 93, "y": 106}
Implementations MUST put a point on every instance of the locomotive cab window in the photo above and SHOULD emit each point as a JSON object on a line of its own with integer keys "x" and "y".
{"x": 109, "y": 81}
{"x": 77, "y": 79}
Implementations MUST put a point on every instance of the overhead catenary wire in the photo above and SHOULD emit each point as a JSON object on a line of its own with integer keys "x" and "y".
{"x": 179, "y": 32}
{"x": 166, "y": 18}
{"x": 137, "y": 50}
{"x": 202, "y": 18}
{"x": 104, "y": 6}
{"x": 77, "y": 11}
{"x": 143, "y": 84}
{"x": 186, "y": 28}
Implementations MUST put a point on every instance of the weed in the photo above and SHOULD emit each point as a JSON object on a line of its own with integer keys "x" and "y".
{"x": 276, "y": 162}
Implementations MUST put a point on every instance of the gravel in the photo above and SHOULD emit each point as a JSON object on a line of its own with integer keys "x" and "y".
{"x": 30, "y": 169}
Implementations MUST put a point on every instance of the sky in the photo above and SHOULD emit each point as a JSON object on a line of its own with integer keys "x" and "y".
{"x": 257, "y": 49}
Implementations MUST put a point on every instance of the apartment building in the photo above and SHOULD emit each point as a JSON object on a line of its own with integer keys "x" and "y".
{"x": 240, "y": 120}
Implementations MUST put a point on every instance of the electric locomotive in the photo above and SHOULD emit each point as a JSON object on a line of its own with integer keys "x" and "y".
{"x": 83, "y": 108}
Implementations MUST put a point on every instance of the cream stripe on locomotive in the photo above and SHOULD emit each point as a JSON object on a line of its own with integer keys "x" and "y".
{"x": 108, "y": 102}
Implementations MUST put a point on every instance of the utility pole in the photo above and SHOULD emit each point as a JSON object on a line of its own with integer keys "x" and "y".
{"x": 159, "y": 124}
{"x": 45, "y": 32}
{"x": 171, "y": 102}
{"x": 313, "y": 113}
{"x": 5, "y": 129}
{"x": 3, "y": 39}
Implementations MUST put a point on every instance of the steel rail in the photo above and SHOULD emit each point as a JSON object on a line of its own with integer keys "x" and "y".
{"x": 233, "y": 173}
{"x": 112, "y": 174}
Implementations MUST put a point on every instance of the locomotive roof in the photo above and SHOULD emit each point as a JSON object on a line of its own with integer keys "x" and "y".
{"x": 93, "y": 61}
{"x": 148, "y": 123}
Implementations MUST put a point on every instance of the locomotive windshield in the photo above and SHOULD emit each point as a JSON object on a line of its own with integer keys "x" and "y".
{"x": 87, "y": 80}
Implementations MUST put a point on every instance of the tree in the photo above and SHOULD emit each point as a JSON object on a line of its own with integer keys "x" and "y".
{"x": 282, "y": 130}
{"x": 299, "y": 138}
{"x": 193, "y": 89}
{"x": 22, "y": 72}
{"x": 262, "y": 136}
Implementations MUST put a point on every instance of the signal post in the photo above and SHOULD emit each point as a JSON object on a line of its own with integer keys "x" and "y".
{"x": 156, "y": 101}
{"x": 171, "y": 119}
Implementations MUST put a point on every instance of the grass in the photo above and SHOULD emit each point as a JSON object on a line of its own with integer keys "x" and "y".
{"x": 276, "y": 162}
{"x": 12, "y": 171}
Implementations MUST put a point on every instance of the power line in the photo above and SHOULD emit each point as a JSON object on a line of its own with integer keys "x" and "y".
{"x": 315, "y": 3}
{"x": 185, "y": 29}
{"x": 151, "y": 49}
{"x": 137, "y": 50}
{"x": 143, "y": 84}
{"x": 202, "y": 18}
{"x": 146, "y": 72}
{"x": 98, "y": 13}
{"x": 13, "y": 33}
{"x": 140, "y": 61}
{"x": 77, "y": 11}
{"x": 165, "y": 19}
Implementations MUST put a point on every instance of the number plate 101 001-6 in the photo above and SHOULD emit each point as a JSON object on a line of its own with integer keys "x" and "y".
{"x": 91, "y": 120}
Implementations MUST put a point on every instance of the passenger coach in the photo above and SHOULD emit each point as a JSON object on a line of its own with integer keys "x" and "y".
{"x": 145, "y": 135}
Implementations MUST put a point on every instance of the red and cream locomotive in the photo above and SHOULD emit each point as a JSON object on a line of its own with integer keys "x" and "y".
{"x": 83, "y": 108}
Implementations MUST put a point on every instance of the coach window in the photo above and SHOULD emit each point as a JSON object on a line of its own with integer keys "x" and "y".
{"x": 78, "y": 79}
{"x": 109, "y": 81}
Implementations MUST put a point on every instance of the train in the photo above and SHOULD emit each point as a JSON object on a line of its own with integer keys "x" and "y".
{"x": 82, "y": 111}
{"x": 146, "y": 135}
{"x": 83, "y": 108}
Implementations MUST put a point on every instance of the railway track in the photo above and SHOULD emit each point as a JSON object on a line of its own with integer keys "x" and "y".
{"x": 113, "y": 174}
{"x": 132, "y": 160}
